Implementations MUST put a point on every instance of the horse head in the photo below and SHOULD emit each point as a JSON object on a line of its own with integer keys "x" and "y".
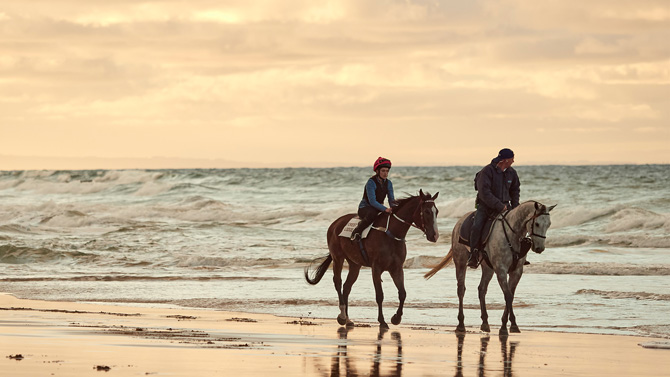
{"x": 426, "y": 216}
{"x": 538, "y": 225}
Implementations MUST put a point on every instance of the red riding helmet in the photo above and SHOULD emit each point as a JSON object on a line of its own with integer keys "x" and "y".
{"x": 382, "y": 163}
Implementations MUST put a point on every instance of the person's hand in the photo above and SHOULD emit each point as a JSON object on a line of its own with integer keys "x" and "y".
{"x": 388, "y": 210}
{"x": 505, "y": 209}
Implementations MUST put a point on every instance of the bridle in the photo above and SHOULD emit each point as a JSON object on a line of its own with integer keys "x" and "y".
{"x": 532, "y": 229}
{"x": 526, "y": 239}
{"x": 421, "y": 227}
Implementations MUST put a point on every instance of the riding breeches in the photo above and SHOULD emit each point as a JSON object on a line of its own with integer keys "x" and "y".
{"x": 368, "y": 216}
{"x": 476, "y": 231}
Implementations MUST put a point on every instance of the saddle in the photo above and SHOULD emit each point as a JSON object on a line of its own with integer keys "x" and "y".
{"x": 464, "y": 238}
{"x": 464, "y": 234}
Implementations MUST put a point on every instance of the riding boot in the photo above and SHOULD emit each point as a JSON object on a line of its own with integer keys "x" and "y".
{"x": 473, "y": 258}
{"x": 356, "y": 233}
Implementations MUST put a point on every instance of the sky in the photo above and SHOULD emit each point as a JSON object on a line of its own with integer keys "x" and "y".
{"x": 239, "y": 83}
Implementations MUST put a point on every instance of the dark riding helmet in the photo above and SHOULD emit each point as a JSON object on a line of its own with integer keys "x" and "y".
{"x": 382, "y": 163}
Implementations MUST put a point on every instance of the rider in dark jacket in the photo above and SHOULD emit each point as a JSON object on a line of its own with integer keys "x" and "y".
{"x": 497, "y": 186}
{"x": 376, "y": 190}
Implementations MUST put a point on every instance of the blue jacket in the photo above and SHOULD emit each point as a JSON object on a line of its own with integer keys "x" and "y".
{"x": 375, "y": 192}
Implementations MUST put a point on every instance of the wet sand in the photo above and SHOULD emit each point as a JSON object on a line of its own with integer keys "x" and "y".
{"x": 41, "y": 338}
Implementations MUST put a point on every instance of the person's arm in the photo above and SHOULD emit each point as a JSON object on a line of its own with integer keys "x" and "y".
{"x": 372, "y": 196}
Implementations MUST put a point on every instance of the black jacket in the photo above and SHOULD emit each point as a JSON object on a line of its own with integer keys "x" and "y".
{"x": 496, "y": 188}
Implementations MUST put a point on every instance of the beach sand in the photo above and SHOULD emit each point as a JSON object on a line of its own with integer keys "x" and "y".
{"x": 41, "y": 338}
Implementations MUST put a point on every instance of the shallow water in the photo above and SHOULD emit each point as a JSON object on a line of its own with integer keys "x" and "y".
{"x": 239, "y": 239}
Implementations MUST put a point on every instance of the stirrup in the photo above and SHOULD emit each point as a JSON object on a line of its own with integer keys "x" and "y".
{"x": 473, "y": 259}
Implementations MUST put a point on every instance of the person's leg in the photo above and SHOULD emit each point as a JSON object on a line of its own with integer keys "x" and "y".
{"x": 367, "y": 215}
{"x": 475, "y": 236}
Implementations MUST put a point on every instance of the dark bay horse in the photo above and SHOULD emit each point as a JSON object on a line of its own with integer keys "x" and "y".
{"x": 386, "y": 252}
{"x": 526, "y": 223}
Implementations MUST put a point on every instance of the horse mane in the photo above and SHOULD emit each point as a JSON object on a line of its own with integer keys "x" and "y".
{"x": 534, "y": 202}
{"x": 402, "y": 201}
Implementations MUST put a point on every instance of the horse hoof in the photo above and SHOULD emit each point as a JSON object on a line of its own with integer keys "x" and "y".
{"x": 383, "y": 325}
{"x": 485, "y": 327}
{"x": 341, "y": 321}
{"x": 460, "y": 329}
{"x": 396, "y": 319}
{"x": 514, "y": 329}
{"x": 350, "y": 323}
{"x": 503, "y": 331}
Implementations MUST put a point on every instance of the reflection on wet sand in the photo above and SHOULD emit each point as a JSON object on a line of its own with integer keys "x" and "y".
{"x": 343, "y": 365}
{"x": 353, "y": 355}
{"x": 481, "y": 368}
{"x": 507, "y": 357}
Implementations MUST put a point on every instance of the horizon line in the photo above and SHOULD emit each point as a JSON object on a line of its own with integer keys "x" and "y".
{"x": 31, "y": 163}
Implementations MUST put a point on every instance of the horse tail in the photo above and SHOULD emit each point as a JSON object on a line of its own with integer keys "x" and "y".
{"x": 445, "y": 261}
{"x": 320, "y": 271}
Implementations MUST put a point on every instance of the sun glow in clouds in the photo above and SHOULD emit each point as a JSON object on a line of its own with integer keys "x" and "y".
{"x": 246, "y": 80}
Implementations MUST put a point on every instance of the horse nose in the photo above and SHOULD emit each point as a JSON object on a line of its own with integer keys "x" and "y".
{"x": 539, "y": 250}
{"x": 434, "y": 237}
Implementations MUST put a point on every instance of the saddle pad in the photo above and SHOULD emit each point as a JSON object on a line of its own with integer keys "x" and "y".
{"x": 351, "y": 225}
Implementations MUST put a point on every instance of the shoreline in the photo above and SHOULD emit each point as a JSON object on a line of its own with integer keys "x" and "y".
{"x": 76, "y": 339}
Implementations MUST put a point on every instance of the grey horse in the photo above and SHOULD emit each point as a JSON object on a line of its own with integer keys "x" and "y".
{"x": 526, "y": 224}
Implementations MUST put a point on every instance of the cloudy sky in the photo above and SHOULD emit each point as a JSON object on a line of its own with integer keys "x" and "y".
{"x": 202, "y": 83}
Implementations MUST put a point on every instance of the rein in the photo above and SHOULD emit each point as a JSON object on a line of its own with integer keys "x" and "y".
{"x": 525, "y": 239}
{"x": 422, "y": 228}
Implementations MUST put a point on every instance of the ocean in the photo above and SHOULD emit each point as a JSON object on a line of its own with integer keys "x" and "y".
{"x": 239, "y": 240}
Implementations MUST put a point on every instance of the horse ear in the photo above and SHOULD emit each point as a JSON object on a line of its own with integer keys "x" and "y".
{"x": 552, "y": 207}
{"x": 537, "y": 205}
{"x": 435, "y": 196}
{"x": 421, "y": 193}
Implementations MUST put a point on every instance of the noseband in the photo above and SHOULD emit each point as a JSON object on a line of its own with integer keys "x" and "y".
{"x": 532, "y": 229}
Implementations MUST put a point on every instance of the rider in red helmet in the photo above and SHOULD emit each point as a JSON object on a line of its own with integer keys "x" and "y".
{"x": 376, "y": 190}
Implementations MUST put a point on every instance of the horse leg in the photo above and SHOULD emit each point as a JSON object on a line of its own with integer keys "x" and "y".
{"x": 354, "y": 269}
{"x": 399, "y": 279}
{"x": 509, "y": 298}
{"x": 514, "y": 278}
{"x": 460, "y": 278}
{"x": 487, "y": 274}
{"x": 337, "y": 280}
{"x": 377, "y": 280}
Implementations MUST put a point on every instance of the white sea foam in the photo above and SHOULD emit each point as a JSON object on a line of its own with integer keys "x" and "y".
{"x": 565, "y": 217}
{"x": 637, "y": 218}
{"x": 456, "y": 208}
